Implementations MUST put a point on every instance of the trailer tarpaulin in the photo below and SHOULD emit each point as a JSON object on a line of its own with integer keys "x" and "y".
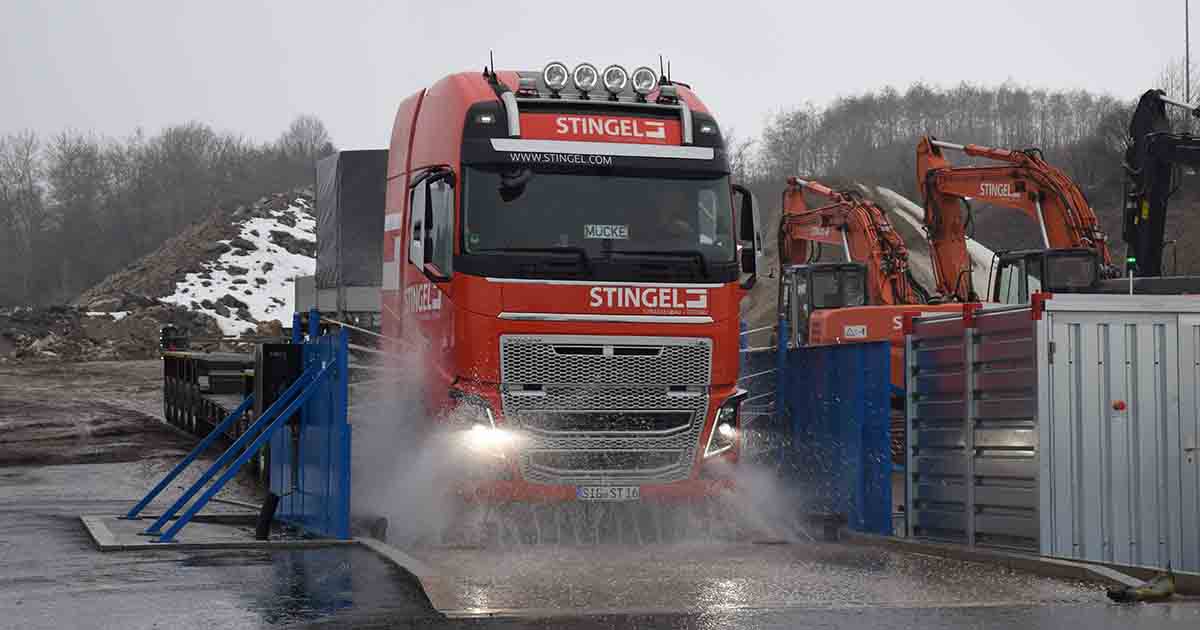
{"x": 350, "y": 202}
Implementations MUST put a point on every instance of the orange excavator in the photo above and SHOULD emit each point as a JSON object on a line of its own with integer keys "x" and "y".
{"x": 864, "y": 299}
{"x": 863, "y": 231}
{"x": 1075, "y": 254}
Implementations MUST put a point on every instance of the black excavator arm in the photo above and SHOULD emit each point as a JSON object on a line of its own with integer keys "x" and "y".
{"x": 1151, "y": 163}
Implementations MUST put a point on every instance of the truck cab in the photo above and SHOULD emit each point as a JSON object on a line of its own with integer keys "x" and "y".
{"x": 566, "y": 252}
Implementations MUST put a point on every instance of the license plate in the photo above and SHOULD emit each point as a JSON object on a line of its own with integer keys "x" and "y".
{"x": 608, "y": 493}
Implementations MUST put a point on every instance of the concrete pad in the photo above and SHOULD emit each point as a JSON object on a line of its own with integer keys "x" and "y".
{"x": 111, "y": 533}
{"x": 1103, "y": 573}
{"x": 718, "y": 578}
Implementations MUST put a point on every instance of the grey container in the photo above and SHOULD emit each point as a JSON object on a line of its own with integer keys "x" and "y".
{"x": 1071, "y": 432}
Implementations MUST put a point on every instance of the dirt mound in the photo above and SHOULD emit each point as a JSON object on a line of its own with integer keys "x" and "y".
{"x": 66, "y": 333}
{"x": 196, "y": 251}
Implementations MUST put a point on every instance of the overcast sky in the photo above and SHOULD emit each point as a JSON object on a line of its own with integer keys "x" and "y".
{"x": 251, "y": 66}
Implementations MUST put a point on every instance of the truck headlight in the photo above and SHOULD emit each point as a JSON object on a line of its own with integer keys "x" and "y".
{"x": 472, "y": 420}
{"x": 488, "y": 440}
{"x": 725, "y": 426}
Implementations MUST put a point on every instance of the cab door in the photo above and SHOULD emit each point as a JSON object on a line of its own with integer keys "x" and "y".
{"x": 428, "y": 268}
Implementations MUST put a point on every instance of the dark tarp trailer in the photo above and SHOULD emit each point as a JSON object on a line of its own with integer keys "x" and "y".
{"x": 350, "y": 203}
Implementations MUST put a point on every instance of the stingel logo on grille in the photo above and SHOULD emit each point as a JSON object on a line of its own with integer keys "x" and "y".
{"x": 648, "y": 297}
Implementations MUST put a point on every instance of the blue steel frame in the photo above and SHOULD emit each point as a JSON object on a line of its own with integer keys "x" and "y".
{"x": 316, "y": 499}
{"x": 319, "y": 393}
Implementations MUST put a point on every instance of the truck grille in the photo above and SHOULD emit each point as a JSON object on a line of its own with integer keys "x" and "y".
{"x": 562, "y": 359}
{"x": 598, "y": 410}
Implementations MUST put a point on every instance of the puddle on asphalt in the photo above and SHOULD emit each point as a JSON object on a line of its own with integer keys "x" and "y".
{"x": 306, "y": 585}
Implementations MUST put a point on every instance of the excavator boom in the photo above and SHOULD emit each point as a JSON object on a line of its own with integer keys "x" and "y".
{"x": 862, "y": 230}
{"x": 1023, "y": 180}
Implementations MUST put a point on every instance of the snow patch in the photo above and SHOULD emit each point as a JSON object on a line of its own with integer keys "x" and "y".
{"x": 117, "y": 315}
{"x": 261, "y": 279}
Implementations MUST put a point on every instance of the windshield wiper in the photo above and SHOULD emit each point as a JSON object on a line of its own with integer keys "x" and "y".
{"x": 694, "y": 254}
{"x": 579, "y": 251}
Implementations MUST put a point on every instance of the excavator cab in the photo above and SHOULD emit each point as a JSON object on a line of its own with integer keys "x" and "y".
{"x": 807, "y": 288}
{"x": 1022, "y": 273}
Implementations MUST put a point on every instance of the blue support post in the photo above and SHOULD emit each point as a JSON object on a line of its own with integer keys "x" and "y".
{"x": 297, "y": 329}
{"x": 781, "y": 371}
{"x": 314, "y": 324}
{"x": 182, "y": 521}
{"x": 200, "y": 448}
{"x": 238, "y": 444}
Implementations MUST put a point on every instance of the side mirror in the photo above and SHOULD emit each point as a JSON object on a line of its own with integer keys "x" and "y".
{"x": 749, "y": 235}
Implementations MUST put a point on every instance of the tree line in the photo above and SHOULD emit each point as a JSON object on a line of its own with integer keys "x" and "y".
{"x": 76, "y": 207}
{"x": 872, "y": 137}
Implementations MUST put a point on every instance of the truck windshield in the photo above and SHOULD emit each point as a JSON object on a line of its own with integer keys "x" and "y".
{"x": 598, "y": 215}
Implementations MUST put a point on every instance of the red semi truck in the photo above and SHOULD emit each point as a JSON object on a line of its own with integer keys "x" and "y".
{"x": 567, "y": 251}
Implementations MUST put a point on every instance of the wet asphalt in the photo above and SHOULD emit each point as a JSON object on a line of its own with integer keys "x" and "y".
{"x": 51, "y": 575}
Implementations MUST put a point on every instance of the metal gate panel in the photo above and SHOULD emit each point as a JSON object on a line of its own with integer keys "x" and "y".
{"x": 972, "y": 415}
{"x": 1002, "y": 350}
{"x": 936, "y": 467}
{"x": 1111, "y": 482}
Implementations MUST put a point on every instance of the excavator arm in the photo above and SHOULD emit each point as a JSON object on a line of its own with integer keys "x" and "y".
{"x": 862, "y": 230}
{"x": 1023, "y": 181}
{"x": 1151, "y": 161}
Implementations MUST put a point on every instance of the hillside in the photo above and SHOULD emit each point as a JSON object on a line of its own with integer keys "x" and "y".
{"x": 236, "y": 267}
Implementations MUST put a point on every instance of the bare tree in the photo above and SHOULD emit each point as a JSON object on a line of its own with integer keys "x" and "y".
{"x": 306, "y": 139}
{"x": 21, "y": 200}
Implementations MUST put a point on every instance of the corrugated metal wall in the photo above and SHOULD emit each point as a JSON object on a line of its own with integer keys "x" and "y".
{"x": 1119, "y": 470}
{"x": 1073, "y": 434}
{"x": 972, "y": 417}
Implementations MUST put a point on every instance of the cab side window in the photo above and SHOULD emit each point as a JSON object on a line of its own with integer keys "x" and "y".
{"x": 432, "y": 210}
{"x": 440, "y": 240}
{"x": 1009, "y": 283}
{"x": 416, "y": 245}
